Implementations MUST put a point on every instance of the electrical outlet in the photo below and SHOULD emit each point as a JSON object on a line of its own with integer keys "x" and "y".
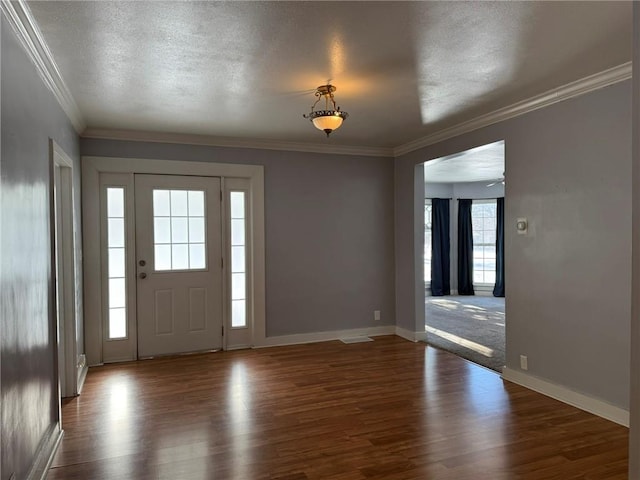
{"x": 376, "y": 315}
{"x": 524, "y": 363}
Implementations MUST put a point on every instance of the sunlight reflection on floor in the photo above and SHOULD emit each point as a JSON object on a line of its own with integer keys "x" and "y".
{"x": 474, "y": 307}
{"x": 444, "y": 303}
{"x": 481, "y": 349}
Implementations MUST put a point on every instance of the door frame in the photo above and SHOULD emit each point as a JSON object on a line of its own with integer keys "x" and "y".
{"x": 93, "y": 167}
{"x": 70, "y": 370}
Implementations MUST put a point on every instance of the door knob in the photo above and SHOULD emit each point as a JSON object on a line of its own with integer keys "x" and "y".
{"x": 143, "y": 275}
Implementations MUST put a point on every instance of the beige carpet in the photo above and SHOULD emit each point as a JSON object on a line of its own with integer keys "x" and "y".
{"x": 472, "y": 327}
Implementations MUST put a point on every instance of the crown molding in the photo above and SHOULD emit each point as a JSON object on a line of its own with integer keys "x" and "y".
{"x": 232, "y": 142}
{"x": 26, "y": 29}
{"x": 565, "y": 92}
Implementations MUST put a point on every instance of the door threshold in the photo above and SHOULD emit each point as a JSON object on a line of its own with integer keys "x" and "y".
{"x": 180, "y": 354}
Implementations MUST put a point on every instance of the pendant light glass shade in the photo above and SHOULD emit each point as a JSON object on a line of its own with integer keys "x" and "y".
{"x": 326, "y": 120}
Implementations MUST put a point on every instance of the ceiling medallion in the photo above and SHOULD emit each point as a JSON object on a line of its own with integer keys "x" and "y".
{"x": 329, "y": 119}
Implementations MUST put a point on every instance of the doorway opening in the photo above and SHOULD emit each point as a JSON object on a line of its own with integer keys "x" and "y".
{"x": 464, "y": 254}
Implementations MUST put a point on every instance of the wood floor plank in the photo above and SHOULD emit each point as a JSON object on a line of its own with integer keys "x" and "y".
{"x": 388, "y": 409}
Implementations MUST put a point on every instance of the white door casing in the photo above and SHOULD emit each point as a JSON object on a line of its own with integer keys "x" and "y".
{"x": 64, "y": 269}
{"x": 179, "y": 305}
{"x": 99, "y": 173}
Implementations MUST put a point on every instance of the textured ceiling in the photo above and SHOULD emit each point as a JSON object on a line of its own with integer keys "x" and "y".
{"x": 484, "y": 163}
{"x": 403, "y": 70}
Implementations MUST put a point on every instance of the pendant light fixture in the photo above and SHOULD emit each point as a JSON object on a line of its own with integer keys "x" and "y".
{"x": 328, "y": 119}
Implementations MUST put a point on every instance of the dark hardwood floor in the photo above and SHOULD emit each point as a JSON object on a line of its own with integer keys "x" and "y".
{"x": 388, "y": 409}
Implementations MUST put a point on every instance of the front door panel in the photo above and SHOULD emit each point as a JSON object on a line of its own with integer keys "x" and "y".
{"x": 178, "y": 261}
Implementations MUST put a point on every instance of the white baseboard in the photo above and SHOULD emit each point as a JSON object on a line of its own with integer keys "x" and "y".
{"x": 575, "y": 399}
{"x": 44, "y": 457}
{"x": 297, "y": 339}
{"x": 82, "y": 376}
{"x": 230, "y": 348}
{"x": 409, "y": 335}
{"x": 483, "y": 293}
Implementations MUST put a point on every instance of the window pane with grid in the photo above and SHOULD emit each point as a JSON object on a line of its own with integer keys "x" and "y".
{"x": 179, "y": 230}
{"x": 238, "y": 259}
{"x": 427, "y": 240}
{"x": 483, "y": 219}
{"x": 116, "y": 255}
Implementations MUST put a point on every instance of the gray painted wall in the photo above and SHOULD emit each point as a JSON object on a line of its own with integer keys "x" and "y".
{"x": 476, "y": 190}
{"x": 29, "y": 382}
{"x": 329, "y": 231}
{"x": 568, "y": 282}
{"x": 438, "y": 190}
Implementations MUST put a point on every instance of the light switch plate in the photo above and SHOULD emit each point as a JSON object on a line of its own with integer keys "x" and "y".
{"x": 522, "y": 226}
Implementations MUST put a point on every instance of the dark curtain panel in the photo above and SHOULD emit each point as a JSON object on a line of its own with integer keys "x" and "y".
{"x": 498, "y": 290}
{"x": 465, "y": 248}
{"x": 440, "y": 247}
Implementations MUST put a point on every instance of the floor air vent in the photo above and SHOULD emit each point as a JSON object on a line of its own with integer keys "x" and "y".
{"x": 356, "y": 340}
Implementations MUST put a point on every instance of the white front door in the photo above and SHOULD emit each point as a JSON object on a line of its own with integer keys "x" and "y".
{"x": 178, "y": 264}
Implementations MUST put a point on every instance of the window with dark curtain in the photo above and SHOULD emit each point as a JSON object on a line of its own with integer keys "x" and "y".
{"x": 440, "y": 247}
{"x": 498, "y": 290}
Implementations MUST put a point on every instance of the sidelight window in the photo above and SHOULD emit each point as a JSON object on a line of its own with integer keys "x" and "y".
{"x": 238, "y": 235}
{"x": 116, "y": 255}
